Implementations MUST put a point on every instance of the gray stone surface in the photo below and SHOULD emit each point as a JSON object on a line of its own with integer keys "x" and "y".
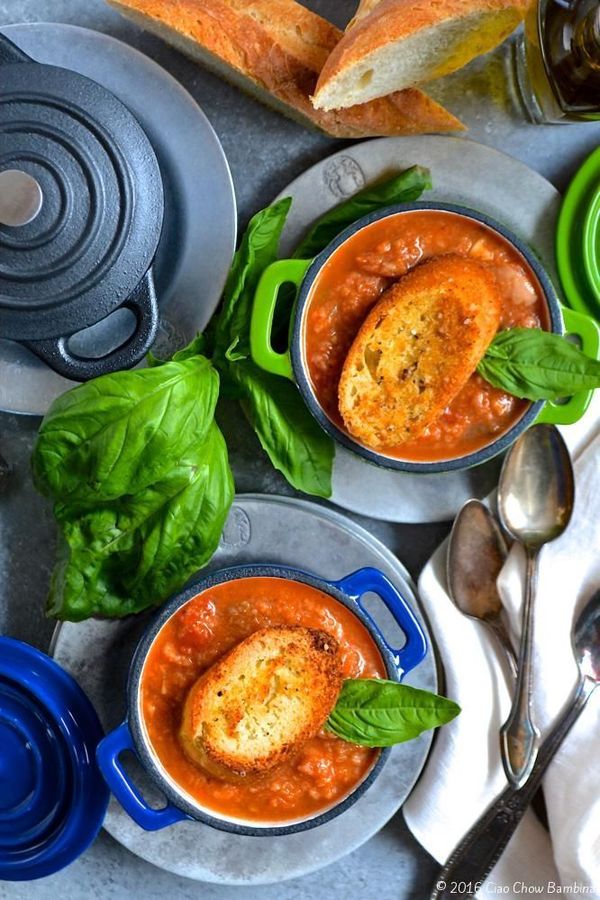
{"x": 265, "y": 152}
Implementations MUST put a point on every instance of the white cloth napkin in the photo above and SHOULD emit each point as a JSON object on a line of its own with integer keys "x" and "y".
{"x": 464, "y": 772}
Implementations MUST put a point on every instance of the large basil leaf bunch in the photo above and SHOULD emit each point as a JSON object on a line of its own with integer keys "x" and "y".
{"x": 139, "y": 475}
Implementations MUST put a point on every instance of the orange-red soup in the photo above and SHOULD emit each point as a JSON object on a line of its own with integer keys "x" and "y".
{"x": 355, "y": 276}
{"x": 325, "y": 769}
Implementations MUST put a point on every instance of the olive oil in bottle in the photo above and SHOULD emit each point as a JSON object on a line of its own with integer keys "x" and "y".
{"x": 558, "y": 61}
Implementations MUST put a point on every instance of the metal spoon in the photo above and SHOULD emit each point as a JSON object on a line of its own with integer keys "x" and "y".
{"x": 535, "y": 501}
{"x": 476, "y": 553}
{"x": 481, "y": 848}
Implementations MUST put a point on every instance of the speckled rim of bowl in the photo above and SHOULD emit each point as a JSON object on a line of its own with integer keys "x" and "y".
{"x": 149, "y": 759}
{"x": 300, "y": 370}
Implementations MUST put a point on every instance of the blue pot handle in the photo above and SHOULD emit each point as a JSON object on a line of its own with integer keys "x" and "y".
{"x": 107, "y": 754}
{"x": 372, "y": 580}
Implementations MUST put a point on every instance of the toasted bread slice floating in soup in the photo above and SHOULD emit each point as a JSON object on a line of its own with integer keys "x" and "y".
{"x": 417, "y": 348}
{"x": 259, "y": 704}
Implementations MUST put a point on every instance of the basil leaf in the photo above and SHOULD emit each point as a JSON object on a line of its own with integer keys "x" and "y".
{"x": 402, "y": 188}
{"x": 121, "y": 432}
{"x": 537, "y": 365}
{"x": 257, "y": 250}
{"x": 293, "y": 440}
{"x": 131, "y": 554}
{"x": 378, "y": 713}
{"x": 174, "y": 545}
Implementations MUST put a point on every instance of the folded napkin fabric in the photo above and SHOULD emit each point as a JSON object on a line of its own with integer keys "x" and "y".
{"x": 464, "y": 772}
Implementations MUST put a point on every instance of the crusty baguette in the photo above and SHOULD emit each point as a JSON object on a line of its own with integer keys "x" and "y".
{"x": 274, "y": 50}
{"x": 256, "y": 706}
{"x": 391, "y": 45}
{"x": 417, "y": 348}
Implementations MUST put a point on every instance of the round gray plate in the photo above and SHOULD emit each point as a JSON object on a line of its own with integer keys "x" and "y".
{"x": 199, "y": 230}
{"x": 271, "y": 530}
{"x": 463, "y": 172}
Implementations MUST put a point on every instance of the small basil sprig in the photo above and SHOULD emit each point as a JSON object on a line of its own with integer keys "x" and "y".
{"x": 290, "y": 436}
{"x": 374, "y": 712}
{"x": 537, "y": 365}
{"x": 402, "y": 188}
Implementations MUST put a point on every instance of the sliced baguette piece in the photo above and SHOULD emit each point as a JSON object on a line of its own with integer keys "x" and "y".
{"x": 417, "y": 348}
{"x": 260, "y": 703}
{"x": 392, "y": 45}
{"x": 274, "y": 50}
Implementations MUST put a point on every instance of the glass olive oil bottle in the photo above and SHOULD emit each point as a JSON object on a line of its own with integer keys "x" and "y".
{"x": 558, "y": 61}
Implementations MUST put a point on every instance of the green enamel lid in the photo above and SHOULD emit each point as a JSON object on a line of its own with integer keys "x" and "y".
{"x": 578, "y": 239}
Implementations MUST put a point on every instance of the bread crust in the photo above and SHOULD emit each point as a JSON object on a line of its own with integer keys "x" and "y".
{"x": 275, "y": 49}
{"x": 417, "y": 348}
{"x": 389, "y": 22}
{"x": 257, "y": 706}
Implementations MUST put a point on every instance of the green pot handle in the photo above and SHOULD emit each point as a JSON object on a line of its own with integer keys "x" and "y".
{"x": 588, "y": 332}
{"x": 284, "y": 271}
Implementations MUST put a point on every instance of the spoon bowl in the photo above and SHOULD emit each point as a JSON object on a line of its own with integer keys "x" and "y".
{"x": 476, "y": 553}
{"x": 536, "y": 491}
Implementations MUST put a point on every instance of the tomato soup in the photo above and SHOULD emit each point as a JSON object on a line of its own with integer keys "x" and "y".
{"x": 325, "y": 769}
{"x": 355, "y": 276}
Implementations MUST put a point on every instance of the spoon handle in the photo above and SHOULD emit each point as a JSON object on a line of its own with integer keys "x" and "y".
{"x": 519, "y": 738}
{"x": 476, "y": 855}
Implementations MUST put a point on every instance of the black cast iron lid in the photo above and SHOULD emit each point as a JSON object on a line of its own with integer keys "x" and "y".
{"x": 81, "y": 200}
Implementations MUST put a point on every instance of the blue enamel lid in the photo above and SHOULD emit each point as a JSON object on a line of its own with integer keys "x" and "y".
{"x": 52, "y": 797}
